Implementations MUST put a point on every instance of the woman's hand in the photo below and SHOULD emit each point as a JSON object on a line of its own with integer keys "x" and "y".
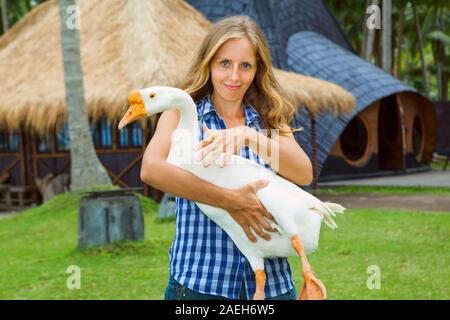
{"x": 220, "y": 145}
{"x": 245, "y": 208}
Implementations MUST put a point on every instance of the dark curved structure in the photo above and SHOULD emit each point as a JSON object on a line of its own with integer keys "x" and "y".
{"x": 401, "y": 118}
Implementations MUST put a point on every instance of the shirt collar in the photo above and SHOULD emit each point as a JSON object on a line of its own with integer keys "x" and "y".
{"x": 207, "y": 108}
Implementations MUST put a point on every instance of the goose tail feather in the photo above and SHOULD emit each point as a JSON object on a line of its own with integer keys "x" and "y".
{"x": 328, "y": 211}
{"x": 335, "y": 207}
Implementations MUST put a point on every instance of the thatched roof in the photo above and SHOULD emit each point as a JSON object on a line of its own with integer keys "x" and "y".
{"x": 124, "y": 45}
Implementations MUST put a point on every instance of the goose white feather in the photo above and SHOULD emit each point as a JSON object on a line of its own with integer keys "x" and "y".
{"x": 296, "y": 212}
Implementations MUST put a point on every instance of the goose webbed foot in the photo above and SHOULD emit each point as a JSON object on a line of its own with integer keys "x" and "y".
{"x": 313, "y": 288}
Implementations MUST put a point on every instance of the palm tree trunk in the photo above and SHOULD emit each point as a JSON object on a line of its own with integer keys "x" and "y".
{"x": 5, "y": 24}
{"x": 398, "y": 59}
{"x": 377, "y": 49}
{"x": 407, "y": 62}
{"x": 362, "y": 54}
{"x": 422, "y": 55}
{"x": 386, "y": 36}
{"x": 86, "y": 169}
{"x": 442, "y": 75}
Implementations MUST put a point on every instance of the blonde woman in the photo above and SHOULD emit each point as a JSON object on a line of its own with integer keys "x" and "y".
{"x": 237, "y": 96}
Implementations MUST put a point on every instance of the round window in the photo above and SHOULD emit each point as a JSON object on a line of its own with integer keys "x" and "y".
{"x": 354, "y": 139}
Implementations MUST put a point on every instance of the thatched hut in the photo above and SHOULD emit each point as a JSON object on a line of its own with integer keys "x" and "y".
{"x": 121, "y": 49}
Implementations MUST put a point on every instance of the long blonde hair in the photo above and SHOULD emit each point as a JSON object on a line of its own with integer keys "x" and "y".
{"x": 264, "y": 94}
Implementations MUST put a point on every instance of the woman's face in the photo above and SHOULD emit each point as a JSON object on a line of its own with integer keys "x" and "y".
{"x": 233, "y": 69}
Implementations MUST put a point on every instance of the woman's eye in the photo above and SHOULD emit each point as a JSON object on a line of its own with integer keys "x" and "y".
{"x": 246, "y": 66}
{"x": 225, "y": 63}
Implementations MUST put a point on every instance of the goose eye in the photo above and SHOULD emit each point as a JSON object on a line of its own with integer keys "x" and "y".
{"x": 152, "y": 95}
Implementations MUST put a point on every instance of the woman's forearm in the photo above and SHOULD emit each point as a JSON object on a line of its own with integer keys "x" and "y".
{"x": 283, "y": 155}
{"x": 179, "y": 182}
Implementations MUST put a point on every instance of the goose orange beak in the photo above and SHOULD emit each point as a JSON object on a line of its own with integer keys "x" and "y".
{"x": 136, "y": 110}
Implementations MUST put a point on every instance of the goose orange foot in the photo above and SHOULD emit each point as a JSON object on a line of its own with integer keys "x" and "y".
{"x": 313, "y": 288}
{"x": 260, "y": 277}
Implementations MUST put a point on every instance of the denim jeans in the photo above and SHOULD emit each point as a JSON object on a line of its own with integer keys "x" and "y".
{"x": 176, "y": 291}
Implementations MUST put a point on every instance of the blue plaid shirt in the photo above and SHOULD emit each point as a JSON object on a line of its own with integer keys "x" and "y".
{"x": 202, "y": 256}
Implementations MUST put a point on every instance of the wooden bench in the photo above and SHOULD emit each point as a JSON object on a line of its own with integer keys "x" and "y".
{"x": 17, "y": 197}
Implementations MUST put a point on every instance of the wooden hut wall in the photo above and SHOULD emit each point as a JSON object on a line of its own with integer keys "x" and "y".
{"x": 12, "y": 161}
{"x": 420, "y": 129}
{"x": 442, "y": 109}
{"x": 356, "y": 149}
{"x": 38, "y": 156}
{"x": 394, "y": 133}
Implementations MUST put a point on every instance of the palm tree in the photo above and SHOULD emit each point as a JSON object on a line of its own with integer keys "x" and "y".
{"x": 438, "y": 16}
{"x": 4, "y": 5}
{"x": 421, "y": 49}
{"x": 386, "y": 36}
{"x": 369, "y": 37}
{"x": 399, "y": 44}
{"x": 86, "y": 169}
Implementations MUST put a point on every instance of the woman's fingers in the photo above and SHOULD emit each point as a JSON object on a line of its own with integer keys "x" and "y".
{"x": 210, "y": 148}
{"x": 210, "y": 157}
{"x": 257, "y": 228}
{"x": 263, "y": 222}
{"x": 210, "y": 136}
{"x": 268, "y": 215}
{"x": 226, "y": 159}
{"x": 226, "y": 155}
{"x": 222, "y": 160}
{"x": 204, "y": 142}
{"x": 249, "y": 234}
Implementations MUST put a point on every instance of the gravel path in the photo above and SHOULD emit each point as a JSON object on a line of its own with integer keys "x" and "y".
{"x": 418, "y": 202}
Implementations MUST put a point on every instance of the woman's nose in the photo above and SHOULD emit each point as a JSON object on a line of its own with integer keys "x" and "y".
{"x": 234, "y": 74}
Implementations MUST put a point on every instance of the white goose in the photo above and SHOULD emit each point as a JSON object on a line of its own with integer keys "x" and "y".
{"x": 298, "y": 214}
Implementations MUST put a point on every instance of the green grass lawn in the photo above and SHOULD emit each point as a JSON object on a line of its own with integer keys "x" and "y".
{"x": 439, "y": 165}
{"x": 37, "y": 246}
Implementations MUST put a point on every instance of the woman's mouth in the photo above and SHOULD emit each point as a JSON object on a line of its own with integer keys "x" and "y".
{"x": 232, "y": 87}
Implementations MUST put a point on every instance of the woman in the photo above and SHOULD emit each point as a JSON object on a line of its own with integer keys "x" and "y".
{"x": 232, "y": 82}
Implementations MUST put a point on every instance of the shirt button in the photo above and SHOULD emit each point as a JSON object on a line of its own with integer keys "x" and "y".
{"x": 242, "y": 260}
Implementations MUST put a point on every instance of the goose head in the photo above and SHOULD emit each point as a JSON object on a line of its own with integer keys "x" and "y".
{"x": 152, "y": 100}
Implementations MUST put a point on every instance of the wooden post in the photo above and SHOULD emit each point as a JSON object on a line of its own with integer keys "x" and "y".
{"x": 22, "y": 151}
{"x": 314, "y": 153}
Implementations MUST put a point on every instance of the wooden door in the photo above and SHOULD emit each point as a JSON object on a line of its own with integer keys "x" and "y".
{"x": 391, "y": 135}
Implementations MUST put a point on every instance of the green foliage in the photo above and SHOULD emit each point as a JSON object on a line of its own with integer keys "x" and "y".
{"x": 434, "y": 18}
{"x": 16, "y": 9}
{"x": 439, "y": 36}
{"x": 37, "y": 247}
